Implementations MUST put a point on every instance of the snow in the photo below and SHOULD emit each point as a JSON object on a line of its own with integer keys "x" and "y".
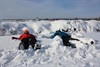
{"x": 52, "y": 53}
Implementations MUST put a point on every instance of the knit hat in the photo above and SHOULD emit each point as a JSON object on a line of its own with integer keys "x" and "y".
{"x": 26, "y": 31}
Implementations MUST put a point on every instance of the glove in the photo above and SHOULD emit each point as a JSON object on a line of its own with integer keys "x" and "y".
{"x": 14, "y": 38}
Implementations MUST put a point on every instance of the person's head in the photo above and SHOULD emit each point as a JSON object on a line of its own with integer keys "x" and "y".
{"x": 26, "y": 31}
{"x": 58, "y": 31}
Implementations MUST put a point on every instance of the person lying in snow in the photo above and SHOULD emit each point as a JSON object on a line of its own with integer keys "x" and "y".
{"x": 26, "y": 39}
{"x": 65, "y": 38}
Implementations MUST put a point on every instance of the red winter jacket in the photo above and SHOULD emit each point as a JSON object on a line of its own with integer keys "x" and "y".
{"x": 27, "y": 36}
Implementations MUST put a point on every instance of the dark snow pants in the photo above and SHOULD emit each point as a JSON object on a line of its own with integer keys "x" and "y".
{"x": 25, "y": 43}
{"x": 67, "y": 43}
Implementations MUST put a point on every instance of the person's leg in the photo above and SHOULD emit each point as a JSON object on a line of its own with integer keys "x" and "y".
{"x": 74, "y": 39}
{"x": 25, "y": 43}
{"x": 67, "y": 43}
{"x": 32, "y": 43}
{"x": 23, "y": 46}
{"x": 26, "y": 46}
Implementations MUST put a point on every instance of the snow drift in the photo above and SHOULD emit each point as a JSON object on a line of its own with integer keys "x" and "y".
{"x": 46, "y": 27}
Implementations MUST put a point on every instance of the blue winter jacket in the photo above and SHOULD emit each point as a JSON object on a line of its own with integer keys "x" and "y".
{"x": 61, "y": 34}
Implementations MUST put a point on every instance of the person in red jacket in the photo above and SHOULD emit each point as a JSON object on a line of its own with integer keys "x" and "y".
{"x": 26, "y": 39}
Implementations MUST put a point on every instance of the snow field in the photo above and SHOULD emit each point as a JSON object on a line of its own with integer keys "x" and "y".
{"x": 52, "y": 53}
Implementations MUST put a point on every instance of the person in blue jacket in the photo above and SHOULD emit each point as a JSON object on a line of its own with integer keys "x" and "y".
{"x": 65, "y": 38}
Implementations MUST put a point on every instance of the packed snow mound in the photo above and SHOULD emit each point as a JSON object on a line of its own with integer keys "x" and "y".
{"x": 56, "y": 25}
{"x": 47, "y": 27}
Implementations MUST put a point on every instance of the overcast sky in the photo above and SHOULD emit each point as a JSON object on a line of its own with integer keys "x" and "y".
{"x": 28, "y": 9}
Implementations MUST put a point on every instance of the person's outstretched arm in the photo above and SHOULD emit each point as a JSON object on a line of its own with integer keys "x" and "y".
{"x": 53, "y": 35}
{"x": 15, "y": 38}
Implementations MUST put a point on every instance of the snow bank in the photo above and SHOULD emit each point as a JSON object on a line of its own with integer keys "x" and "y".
{"x": 46, "y": 27}
{"x": 56, "y": 25}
